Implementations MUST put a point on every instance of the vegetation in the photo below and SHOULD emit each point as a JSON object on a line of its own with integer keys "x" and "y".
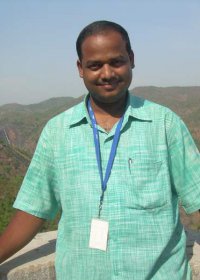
{"x": 13, "y": 165}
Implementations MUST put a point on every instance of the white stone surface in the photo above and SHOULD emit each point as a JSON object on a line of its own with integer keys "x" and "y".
{"x": 193, "y": 252}
{"x": 36, "y": 260}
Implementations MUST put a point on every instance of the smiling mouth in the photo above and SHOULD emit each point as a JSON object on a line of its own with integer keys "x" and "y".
{"x": 108, "y": 85}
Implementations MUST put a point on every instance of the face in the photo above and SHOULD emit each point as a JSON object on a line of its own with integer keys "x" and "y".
{"x": 106, "y": 66}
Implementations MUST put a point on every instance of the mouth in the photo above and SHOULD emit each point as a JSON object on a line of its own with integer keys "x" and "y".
{"x": 108, "y": 85}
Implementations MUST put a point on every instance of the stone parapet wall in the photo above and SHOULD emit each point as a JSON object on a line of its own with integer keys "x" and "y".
{"x": 193, "y": 252}
{"x": 36, "y": 260}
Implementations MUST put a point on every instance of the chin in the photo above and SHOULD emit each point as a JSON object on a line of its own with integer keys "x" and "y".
{"x": 108, "y": 97}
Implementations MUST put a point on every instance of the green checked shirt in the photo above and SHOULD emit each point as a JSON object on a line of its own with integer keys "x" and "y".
{"x": 157, "y": 166}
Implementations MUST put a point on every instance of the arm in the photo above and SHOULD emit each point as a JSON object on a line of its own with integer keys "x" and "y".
{"x": 21, "y": 229}
{"x": 184, "y": 163}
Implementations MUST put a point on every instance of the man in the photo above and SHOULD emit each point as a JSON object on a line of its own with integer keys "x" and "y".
{"x": 117, "y": 166}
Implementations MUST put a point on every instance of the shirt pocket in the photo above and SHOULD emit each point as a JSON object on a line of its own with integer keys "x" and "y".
{"x": 148, "y": 184}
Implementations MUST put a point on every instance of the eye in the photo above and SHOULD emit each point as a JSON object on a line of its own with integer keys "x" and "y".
{"x": 117, "y": 62}
{"x": 95, "y": 66}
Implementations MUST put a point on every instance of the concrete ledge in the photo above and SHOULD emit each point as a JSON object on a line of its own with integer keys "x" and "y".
{"x": 36, "y": 260}
{"x": 193, "y": 252}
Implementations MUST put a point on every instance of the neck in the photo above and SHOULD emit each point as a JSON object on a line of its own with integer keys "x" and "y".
{"x": 107, "y": 114}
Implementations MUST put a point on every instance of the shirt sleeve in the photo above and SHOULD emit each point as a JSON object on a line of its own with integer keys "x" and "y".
{"x": 39, "y": 194}
{"x": 185, "y": 165}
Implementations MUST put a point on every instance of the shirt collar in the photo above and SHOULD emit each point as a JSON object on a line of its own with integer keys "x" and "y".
{"x": 136, "y": 108}
{"x": 80, "y": 113}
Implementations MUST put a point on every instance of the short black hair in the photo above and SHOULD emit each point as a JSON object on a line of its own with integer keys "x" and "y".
{"x": 99, "y": 27}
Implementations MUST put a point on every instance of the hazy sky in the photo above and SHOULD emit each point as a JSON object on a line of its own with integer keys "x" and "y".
{"x": 37, "y": 44}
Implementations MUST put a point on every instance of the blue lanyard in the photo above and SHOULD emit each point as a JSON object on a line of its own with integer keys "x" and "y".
{"x": 104, "y": 180}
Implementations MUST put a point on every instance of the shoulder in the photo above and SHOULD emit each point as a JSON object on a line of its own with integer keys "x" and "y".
{"x": 58, "y": 127}
{"x": 152, "y": 110}
{"x": 66, "y": 118}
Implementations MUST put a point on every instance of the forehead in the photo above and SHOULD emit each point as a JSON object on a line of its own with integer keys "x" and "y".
{"x": 106, "y": 44}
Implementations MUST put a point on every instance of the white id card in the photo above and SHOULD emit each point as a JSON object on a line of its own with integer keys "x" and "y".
{"x": 99, "y": 234}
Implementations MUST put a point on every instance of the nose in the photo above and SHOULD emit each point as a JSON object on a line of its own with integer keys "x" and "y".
{"x": 107, "y": 72}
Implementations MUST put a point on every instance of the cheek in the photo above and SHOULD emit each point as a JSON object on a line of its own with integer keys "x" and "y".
{"x": 89, "y": 82}
{"x": 128, "y": 74}
{"x": 125, "y": 72}
{"x": 90, "y": 77}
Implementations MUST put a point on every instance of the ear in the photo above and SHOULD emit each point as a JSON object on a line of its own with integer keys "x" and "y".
{"x": 131, "y": 57}
{"x": 80, "y": 68}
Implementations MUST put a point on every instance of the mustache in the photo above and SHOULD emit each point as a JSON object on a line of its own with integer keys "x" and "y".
{"x": 108, "y": 81}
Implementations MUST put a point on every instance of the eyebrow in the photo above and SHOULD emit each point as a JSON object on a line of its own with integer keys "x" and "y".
{"x": 120, "y": 57}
